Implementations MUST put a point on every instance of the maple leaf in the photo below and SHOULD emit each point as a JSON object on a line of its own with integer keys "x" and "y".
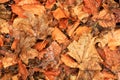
{"x": 84, "y": 53}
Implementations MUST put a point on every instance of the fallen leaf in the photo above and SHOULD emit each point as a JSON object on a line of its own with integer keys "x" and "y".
{"x": 8, "y": 60}
{"x": 117, "y": 14}
{"x": 58, "y": 35}
{"x": 59, "y": 14}
{"x": 68, "y": 61}
{"x": 84, "y": 53}
{"x": 40, "y": 45}
{"x": 14, "y": 44}
{"x": 28, "y": 54}
{"x": 105, "y": 18}
{"x": 3, "y": 1}
{"x": 50, "y": 4}
{"x": 80, "y": 13}
{"x": 1, "y": 42}
{"x": 51, "y": 75}
{"x": 91, "y": 6}
{"x": 22, "y": 70}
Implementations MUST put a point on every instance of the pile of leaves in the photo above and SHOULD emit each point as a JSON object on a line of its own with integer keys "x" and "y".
{"x": 59, "y": 40}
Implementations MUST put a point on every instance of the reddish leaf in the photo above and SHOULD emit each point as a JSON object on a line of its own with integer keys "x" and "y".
{"x": 22, "y": 70}
{"x": 91, "y": 6}
{"x": 51, "y": 75}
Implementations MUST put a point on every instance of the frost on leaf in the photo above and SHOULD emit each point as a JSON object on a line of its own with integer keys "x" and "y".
{"x": 84, "y": 52}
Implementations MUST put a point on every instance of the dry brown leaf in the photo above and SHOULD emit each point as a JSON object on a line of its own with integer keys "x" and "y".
{"x": 72, "y": 28}
{"x": 105, "y": 18}
{"x": 103, "y": 76}
{"x": 91, "y": 6}
{"x": 84, "y": 53}
{"x": 111, "y": 39}
{"x": 80, "y": 13}
{"x": 14, "y": 44}
{"x": 22, "y": 70}
{"x": 27, "y": 54}
{"x": 50, "y": 4}
{"x": 112, "y": 59}
{"x": 40, "y": 45}
{"x": 68, "y": 61}
{"x": 51, "y": 75}
{"x": 59, "y": 13}
{"x": 58, "y": 35}
{"x": 117, "y": 14}
{"x": 18, "y": 10}
{"x": 79, "y": 31}
{"x": 4, "y": 26}
{"x": 3, "y": 1}
{"x": 23, "y": 2}
{"x": 36, "y": 9}
{"x": 9, "y": 60}
{"x": 1, "y": 42}
{"x": 63, "y": 23}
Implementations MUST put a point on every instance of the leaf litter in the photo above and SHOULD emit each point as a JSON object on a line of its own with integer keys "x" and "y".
{"x": 59, "y": 40}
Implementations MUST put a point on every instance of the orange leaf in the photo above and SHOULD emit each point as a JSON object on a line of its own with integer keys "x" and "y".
{"x": 50, "y": 3}
{"x": 91, "y": 6}
{"x": 63, "y": 23}
{"x": 81, "y": 30}
{"x": 68, "y": 61}
{"x": 59, "y": 13}
{"x": 22, "y": 70}
{"x": 34, "y": 8}
{"x": 23, "y": 2}
{"x": 51, "y": 75}
{"x": 40, "y": 45}
{"x": 1, "y": 42}
{"x": 18, "y": 10}
{"x": 58, "y": 36}
{"x": 3, "y": 1}
{"x": 14, "y": 44}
